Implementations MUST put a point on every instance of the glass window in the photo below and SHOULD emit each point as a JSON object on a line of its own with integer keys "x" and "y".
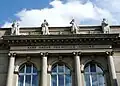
{"x": 61, "y": 75}
{"x": 94, "y": 75}
{"x": 28, "y": 75}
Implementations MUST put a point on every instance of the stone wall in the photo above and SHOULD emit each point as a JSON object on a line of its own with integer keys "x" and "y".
{"x": 3, "y": 67}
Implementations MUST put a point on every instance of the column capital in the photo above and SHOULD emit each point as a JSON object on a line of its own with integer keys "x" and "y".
{"x": 11, "y": 54}
{"x": 76, "y": 53}
{"x": 44, "y": 53}
{"x": 109, "y": 53}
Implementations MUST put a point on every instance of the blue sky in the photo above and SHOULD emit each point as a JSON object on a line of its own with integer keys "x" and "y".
{"x": 9, "y": 7}
{"x": 59, "y": 12}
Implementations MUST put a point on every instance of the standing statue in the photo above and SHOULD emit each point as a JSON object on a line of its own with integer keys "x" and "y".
{"x": 15, "y": 28}
{"x": 45, "y": 29}
{"x": 74, "y": 28}
{"x": 105, "y": 26}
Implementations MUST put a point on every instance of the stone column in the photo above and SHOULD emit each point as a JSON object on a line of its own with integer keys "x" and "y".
{"x": 44, "y": 69}
{"x": 112, "y": 69}
{"x": 10, "y": 69}
{"x": 78, "y": 79}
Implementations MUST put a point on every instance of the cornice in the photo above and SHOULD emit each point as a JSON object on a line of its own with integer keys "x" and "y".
{"x": 61, "y": 39}
{"x": 12, "y": 37}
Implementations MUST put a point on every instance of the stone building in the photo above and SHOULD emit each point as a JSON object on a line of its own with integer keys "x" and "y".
{"x": 60, "y": 58}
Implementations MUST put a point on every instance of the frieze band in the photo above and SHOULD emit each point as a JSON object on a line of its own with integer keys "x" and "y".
{"x": 51, "y": 47}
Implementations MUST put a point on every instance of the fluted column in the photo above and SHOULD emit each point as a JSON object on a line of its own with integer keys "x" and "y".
{"x": 112, "y": 69}
{"x": 78, "y": 79}
{"x": 10, "y": 69}
{"x": 44, "y": 69}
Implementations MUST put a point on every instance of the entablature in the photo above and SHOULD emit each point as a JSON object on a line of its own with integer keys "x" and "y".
{"x": 61, "y": 39}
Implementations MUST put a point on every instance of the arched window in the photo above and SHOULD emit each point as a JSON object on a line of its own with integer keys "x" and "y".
{"x": 61, "y": 75}
{"x": 28, "y": 75}
{"x": 94, "y": 75}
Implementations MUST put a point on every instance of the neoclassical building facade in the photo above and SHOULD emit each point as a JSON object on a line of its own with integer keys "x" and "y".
{"x": 87, "y": 56}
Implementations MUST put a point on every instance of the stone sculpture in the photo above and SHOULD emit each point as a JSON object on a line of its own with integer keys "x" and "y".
{"x": 105, "y": 26}
{"x": 45, "y": 29}
{"x": 15, "y": 28}
{"x": 74, "y": 28}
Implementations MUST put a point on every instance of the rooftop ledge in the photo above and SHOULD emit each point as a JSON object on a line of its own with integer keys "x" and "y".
{"x": 82, "y": 26}
{"x": 73, "y": 36}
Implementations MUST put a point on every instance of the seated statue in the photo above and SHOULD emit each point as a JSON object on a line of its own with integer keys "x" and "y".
{"x": 105, "y": 26}
{"x": 15, "y": 28}
{"x": 74, "y": 28}
{"x": 45, "y": 29}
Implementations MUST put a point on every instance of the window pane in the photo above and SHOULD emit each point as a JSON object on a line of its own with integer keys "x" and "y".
{"x": 54, "y": 80}
{"x": 61, "y": 76}
{"x": 28, "y": 80}
{"x": 61, "y": 80}
{"x": 54, "y": 69}
{"x": 22, "y": 69}
{"x": 28, "y": 68}
{"x": 34, "y": 70}
{"x": 101, "y": 80}
{"x": 35, "y": 80}
{"x": 60, "y": 68}
{"x": 87, "y": 69}
{"x": 87, "y": 80}
{"x": 94, "y": 80}
{"x": 68, "y": 80}
{"x": 99, "y": 69}
{"x": 67, "y": 70}
{"x": 92, "y": 68}
{"x": 21, "y": 79}
{"x": 95, "y": 77}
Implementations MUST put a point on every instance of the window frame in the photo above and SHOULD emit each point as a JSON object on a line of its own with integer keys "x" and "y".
{"x": 31, "y": 74}
{"x": 57, "y": 73}
{"x": 90, "y": 74}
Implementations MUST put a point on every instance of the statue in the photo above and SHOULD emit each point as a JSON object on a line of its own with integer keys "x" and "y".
{"x": 45, "y": 29}
{"x": 15, "y": 28}
{"x": 74, "y": 28}
{"x": 105, "y": 26}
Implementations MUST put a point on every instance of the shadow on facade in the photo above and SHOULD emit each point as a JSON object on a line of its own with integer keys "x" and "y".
{"x": 115, "y": 82}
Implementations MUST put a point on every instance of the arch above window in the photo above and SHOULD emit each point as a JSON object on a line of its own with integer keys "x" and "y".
{"x": 28, "y": 75}
{"x": 94, "y": 75}
{"x": 93, "y": 67}
{"x": 61, "y": 75}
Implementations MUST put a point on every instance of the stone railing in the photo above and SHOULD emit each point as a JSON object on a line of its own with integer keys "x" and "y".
{"x": 61, "y": 30}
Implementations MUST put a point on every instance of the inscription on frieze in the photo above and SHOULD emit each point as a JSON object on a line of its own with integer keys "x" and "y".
{"x": 56, "y": 47}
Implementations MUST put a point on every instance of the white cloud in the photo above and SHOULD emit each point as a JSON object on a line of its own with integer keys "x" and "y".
{"x": 61, "y": 13}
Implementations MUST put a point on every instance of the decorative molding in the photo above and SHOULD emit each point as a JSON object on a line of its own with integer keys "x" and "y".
{"x": 60, "y": 39}
{"x": 82, "y": 68}
{"x": 16, "y": 70}
{"x": 93, "y": 57}
{"x": 60, "y": 58}
{"x": 49, "y": 68}
{"x": 28, "y": 58}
